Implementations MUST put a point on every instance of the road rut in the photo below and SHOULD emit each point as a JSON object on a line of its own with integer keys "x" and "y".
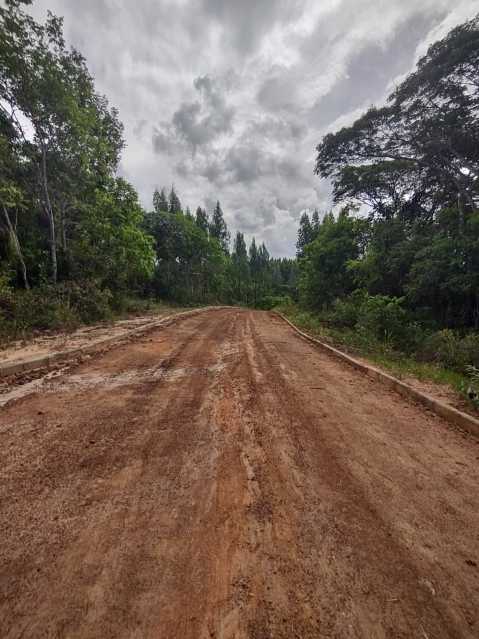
{"x": 223, "y": 478}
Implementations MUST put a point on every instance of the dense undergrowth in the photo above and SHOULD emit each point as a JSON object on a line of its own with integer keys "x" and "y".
{"x": 65, "y": 307}
{"x": 377, "y": 331}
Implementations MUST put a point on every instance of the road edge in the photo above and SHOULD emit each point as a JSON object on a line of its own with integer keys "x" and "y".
{"x": 451, "y": 414}
{"x": 46, "y": 361}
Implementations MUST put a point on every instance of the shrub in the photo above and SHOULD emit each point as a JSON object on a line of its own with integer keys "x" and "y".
{"x": 89, "y": 302}
{"x": 268, "y": 302}
{"x": 470, "y": 349}
{"x": 383, "y": 317}
{"x": 450, "y": 349}
{"x": 64, "y": 306}
{"x": 346, "y": 312}
{"x": 375, "y": 318}
{"x": 7, "y": 299}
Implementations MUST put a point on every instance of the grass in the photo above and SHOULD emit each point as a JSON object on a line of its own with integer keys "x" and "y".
{"x": 399, "y": 364}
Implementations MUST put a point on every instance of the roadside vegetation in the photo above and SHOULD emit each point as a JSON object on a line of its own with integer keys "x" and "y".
{"x": 76, "y": 245}
{"x": 395, "y": 274}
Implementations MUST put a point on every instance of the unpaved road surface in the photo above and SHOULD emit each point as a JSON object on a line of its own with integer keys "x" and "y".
{"x": 45, "y": 344}
{"x": 223, "y": 478}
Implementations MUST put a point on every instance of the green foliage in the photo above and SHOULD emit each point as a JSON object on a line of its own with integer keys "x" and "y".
{"x": 451, "y": 349}
{"x": 324, "y": 270}
{"x": 160, "y": 202}
{"x": 306, "y": 234}
{"x": 415, "y": 164}
{"x": 62, "y": 306}
{"x": 383, "y": 317}
{"x": 174, "y": 204}
{"x": 194, "y": 266}
{"x": 345, "y": 312}
{"x": 472, "y": 390}
{"x": 268, "y": 302}
{"x": 111, "y": 245}
{"x": 202, "y": 221}
{"x": 70, "y": 230}
{"x": 218, "y": 229}
{"x": 7, "y": 299}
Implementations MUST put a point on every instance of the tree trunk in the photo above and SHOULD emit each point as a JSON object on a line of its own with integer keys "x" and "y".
{"x": 51, "y": 220}
{"x": 63, "y": 229}
{"x": 18, "y": 248}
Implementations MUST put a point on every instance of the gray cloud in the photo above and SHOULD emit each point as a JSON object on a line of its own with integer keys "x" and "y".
{"x": 244, "y": 24}
{"x": 196, "y": 123}
{"x": 370, "y": 69}
{"x": 228, "y": 99}
{"x": 279, "y": 92}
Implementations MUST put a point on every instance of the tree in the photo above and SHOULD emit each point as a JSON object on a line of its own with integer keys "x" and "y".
{"x": 414, "y": 164}
{"x": 160, "y": 202}
{"x": 12, "y": 198}
{"x": 305, "y": 234}
{"x": 174, "y": 202}
{"x": 315, "y": 223}
{"x": 202, "y": 220}
{"x": 241, "y": 274}
{"x": 422, "y": 149}
{"x": 218, "y": 228}
{"x": 77, "y": 139}
{"x": 324, "y": 270}
{"x": 111, "y": 246}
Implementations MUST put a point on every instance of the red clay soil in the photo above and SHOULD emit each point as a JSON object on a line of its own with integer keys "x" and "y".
{"x": 223, "y": 478}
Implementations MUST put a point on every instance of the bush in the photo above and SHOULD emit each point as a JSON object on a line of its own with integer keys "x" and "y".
{"x": 450, "y": 349}
{"x": 377, "y": 318}
{"x": 64, "y": 306}
{"x": 7, "y": 299}
{"x": 268, "y": 302}
{"x": 346, "y": 312}
{"x": 383, "y": 317}
{"x": 89, "y": 302}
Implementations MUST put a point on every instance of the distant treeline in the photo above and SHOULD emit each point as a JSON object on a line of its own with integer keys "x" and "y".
{"x": 194, "y": 264}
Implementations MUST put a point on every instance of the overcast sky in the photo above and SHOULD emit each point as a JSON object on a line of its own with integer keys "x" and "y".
{"x": 227, "y": 99}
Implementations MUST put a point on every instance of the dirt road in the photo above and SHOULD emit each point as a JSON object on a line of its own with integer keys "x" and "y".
{"x": 223, "y": 478}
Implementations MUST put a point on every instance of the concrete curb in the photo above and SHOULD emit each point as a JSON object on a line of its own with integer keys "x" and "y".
{"x": 46, "y": 361}
{"x": 456, "y": 417}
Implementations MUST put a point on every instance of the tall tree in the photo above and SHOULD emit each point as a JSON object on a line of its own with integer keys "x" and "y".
{"x": 202, "y": 220}
{"x": 174, "y": 202}
{"x": 240, "y": 264}
{"x": 305, "y": 234}
{"x": 160, "y": 202}
{"x": 315, "y": 223}
{"x": 255, "y": 268}
{"x": 325, "y": 273}
{"x": 218, "y": 228}
{"x": 421, "y": 151}
{"x": 76, "y": 138}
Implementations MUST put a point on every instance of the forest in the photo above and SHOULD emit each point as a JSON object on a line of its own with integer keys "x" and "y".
{"x": 75, "y": 243}
{"x": 398, "y": 264}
